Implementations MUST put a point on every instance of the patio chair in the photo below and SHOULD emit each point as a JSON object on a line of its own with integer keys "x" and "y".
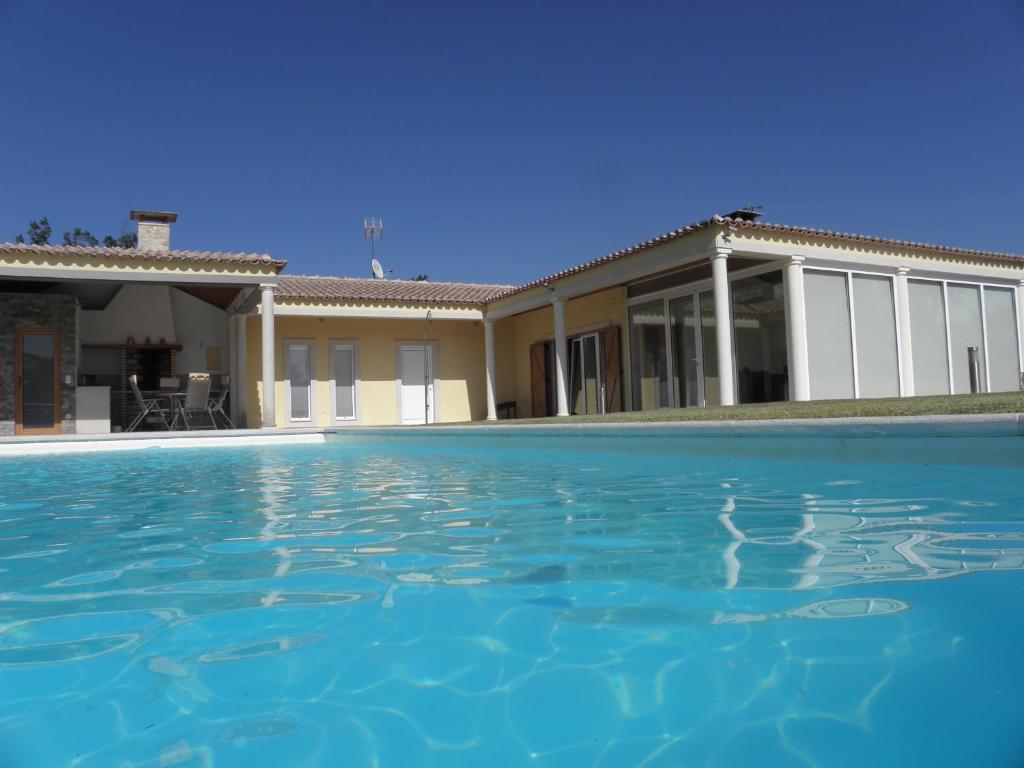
{"x": 217, "y": 401}
{"x": 147, "y": 407}
{"x": 195, "y": 401}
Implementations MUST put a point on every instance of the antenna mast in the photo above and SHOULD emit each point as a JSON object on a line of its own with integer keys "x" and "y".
{"x": 373, "y": 229}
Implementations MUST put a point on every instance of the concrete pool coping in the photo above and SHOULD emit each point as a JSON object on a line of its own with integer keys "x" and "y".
{"x": 952, "y": 425}
{"x": 958, "y": 425}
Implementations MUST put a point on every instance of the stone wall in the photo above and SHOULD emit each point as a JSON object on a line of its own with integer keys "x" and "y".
{"x": 37, "y": 310}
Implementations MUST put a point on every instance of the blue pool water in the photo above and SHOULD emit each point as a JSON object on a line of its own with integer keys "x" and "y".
{"x": 455, "y": 600}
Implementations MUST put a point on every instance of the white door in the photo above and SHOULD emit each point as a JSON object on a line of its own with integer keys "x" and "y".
{"x": 417, "y": 370}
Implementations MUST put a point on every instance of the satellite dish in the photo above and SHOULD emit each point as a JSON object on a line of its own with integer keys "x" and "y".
{"x": 378, "y": 270}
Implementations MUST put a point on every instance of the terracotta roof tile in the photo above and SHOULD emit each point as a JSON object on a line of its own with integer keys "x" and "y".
{"x": 939, "y": 250}
{"x": 136, "y": 254}
{"x": 317, "y": 288}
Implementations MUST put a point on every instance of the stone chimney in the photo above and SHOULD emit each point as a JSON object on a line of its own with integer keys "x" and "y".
{"x": 154, "y": 229}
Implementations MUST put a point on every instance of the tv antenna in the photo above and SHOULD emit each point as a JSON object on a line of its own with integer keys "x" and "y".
{"x": 373, "y": 229}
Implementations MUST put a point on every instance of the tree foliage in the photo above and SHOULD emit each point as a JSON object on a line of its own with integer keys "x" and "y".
{"x": 420, "y": 277}
{"x": 39, "y": 233}
{"x": 80, "y": 237}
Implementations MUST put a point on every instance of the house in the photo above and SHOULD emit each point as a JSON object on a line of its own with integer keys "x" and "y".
{"x": 727, "y": 310}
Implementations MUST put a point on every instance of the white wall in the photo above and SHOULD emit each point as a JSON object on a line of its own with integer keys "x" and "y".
{"x": 199, "y": 325}
{"x": 137, "y": 311}
{"x": 161, "y": 312}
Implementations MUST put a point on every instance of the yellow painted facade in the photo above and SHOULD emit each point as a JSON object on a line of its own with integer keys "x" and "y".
{"x": 460, "y": 343}
{"x": 519, "y": 332}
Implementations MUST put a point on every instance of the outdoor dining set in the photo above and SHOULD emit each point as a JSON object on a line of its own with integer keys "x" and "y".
{"x": 194, "y": 407}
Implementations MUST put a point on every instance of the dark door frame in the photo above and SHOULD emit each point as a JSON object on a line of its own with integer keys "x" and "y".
{"x": 19, "y": 428}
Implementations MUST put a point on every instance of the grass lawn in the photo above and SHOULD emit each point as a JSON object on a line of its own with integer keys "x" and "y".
{"x": 933, "y": 405}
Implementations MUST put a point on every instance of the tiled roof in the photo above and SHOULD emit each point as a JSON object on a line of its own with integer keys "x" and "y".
{"x": 615, "y": 256}
{"x": 939, "y": 250}
{"x": 316, "y": 288}
{"x": 134, "y": 254}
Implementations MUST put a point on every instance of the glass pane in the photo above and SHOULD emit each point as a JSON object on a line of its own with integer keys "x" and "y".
{"x": 709, "y": 344}
{"x": 344, "y": 383}
{"x": 576, "y": 396}
{"x": 1001, "y": 328}
{"x": 964, "y": 332}
{"x": 829, "y": 346}
{"x": 38, "y": 392}
{"x": 648, "y": 356}
{"x": 875, "y": 316}
{"x": 591, "y": 385}
{"x": 298, "y": 380}
{"x": 928, "y": 338}
{"x": 759, "y": 324}
{"x": 684, "y": 351}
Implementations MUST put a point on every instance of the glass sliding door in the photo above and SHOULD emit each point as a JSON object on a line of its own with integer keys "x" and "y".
{"x": 1001, "y": 333}
{"x": 965, "y": 330}
{"x": 648, "y": 356}
{"x": 709, "y": 347}
{"x": 829, "y": 340}
{"x": 928, "y": 337}
{"x": 759, "y": 330}
{"x": 37, "y": 392}
{"x": 585, "y": 386}
{"x": 687, "y": 381}
{"x": 875, "y": 319}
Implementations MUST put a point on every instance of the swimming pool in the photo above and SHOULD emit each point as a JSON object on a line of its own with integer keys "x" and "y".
{"x": 556, "y": 599}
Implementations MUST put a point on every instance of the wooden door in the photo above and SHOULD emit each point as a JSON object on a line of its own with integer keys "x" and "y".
{"x": 37, "y": 382}
{"x": 611, "y": 374}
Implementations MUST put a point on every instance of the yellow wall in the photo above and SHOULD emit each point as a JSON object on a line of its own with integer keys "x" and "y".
{"x": 460, "y": 396}
{"x": 604, "y": 308}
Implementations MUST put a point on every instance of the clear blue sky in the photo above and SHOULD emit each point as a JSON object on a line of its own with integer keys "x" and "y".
{"x": 501, "y": 141}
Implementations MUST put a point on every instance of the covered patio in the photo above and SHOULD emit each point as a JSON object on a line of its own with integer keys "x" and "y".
{"x": 78, "y": 324}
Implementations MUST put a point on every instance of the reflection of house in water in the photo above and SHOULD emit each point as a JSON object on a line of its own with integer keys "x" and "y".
{"x": 827, "y": 549}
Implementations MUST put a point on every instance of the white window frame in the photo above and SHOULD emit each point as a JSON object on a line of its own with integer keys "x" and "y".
{"x": 981, "y": 286}
{"x": 698, "y": 286}
{"x": 666, "y": 295}
{"x": 849, "y": 275}
{"x": 357, "y": 382}
{"x": 311, "y": 346}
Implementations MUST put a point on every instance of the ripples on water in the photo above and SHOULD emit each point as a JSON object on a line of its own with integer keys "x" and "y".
{"x": 414, "y": 600}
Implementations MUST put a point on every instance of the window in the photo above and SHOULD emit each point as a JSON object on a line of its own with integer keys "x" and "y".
{"x": 1001, "y": 332}
{"x": 298, "y": 359}
{"x": 874, "y": 313}
{"x": 759, "y": 330}
{"x": 343, "y": 380}
{"x": 649, "y": 356}
{"x": 829, "y": 338}
{"x": 965, "y": 331}
{"x": 928, "y": 337}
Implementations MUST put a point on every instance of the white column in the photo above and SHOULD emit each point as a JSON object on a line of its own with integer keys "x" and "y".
{"x": 723, "y": 326}
{"x": 799, "y": 375}
{"x": 1020, "y": 327}
{"x": 492, "y": 412}
{"x": 267, "y": 333}
{"x": 906, "y": 342}
{"x": 239, "y": 384}
{"x": 560, "y": 377}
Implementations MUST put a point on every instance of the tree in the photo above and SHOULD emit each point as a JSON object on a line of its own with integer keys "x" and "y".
{"x": 80, "y": 237}
{"x": 131, "y": 240}
{"x": 420, "y": 277}
{"x": 38, "y": 232}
